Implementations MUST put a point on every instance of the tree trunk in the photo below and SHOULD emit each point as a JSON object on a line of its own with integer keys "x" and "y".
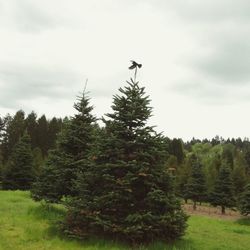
{"x": 186, "y": 201}
{"x": 194, "y": 205}
{"x": 223, "y": 210}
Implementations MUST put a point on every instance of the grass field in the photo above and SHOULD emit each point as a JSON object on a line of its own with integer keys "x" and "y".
{"x": 26, "y": 225}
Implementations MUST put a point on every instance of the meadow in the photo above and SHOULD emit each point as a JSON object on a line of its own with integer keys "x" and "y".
{"x": 27, "y": 225}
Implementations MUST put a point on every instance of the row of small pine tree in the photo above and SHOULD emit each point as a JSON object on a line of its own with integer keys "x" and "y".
{"x": 221, "y": 194}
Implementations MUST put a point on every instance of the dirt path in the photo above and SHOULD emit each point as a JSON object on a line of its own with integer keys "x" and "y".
{"x": 211, "y": 212}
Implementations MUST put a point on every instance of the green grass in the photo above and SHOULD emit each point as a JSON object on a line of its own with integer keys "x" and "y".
{"x": 26, "y": 225}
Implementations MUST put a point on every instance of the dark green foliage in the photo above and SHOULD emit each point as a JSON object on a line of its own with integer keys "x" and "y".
{"x": 176, "y": 149}
{"x": 31, "y": 126}
{"x": 125, "y": 192}
{"x": 222, "y": 194}
{"x": 239, "y": 179}
{"x": 19, "y": 173}
{"x": 38, "y": 160}
{"x": 16, "y": 128}
{"x": 227, "y": 155}
{"x": 71, "y": 155}
{"x": 215, "y": 140}
{"x": 244, "y": 201}
{"x": 182, "y": 175}
{"x": 196, "y": 186}
{"x": 42, "y": 134}
{"x": 12, "y": 129}
{"x": 2, "y": 125}
{"x": 47, "y": 186}
{"x": 247, "y": 158}
{"x": 54, "y": 127}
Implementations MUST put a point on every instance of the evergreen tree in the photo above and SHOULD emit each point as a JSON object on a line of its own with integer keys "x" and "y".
{"x": 227, "y": 155}
{"x": 2, "y": 124}
{"x": 42, "y": 134}
{"x": 54, "y": 127}
{"x": 72, "y": 151}
{"x": 183, "y": 173}
{"x": 244, "y": 202}
{"x": 239, "y": 179}
{"x": 247, "y": 159}
{"x": 38, "y": 160}
{"x": 31, "y": 126}
{"x": 19, "y": 172}
{"x": 196, "y": 186}
{"x": 126, "y": 193}
{"x": 176, "y": 149}
{"x": 222, "y": 194}
{"x": 12, "y": 129}
{"x": 16, "y": 128}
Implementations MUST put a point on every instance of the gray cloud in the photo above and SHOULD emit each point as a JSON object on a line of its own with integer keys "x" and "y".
{"x": 205, "y": 11}
{"x": 31, "y": 82}
{"x": 229, "y": 63}
{"x": 222, "y": 60}
{"x": 27, "y": 16}
{"x": 210, "y": 94}
{"x": 19, "y": 82}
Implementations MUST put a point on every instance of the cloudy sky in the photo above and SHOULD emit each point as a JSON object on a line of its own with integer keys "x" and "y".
{"x": 195, "y": 56}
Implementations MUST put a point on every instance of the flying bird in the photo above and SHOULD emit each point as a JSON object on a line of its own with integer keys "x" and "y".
{"x": 135, "y": 65}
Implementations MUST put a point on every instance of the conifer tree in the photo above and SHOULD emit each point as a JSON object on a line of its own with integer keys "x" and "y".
{"x": 31, "y": 126}
{"x": 13, "y": 130}
{"x": 176, "y": 149}
{"x": 72, "y": 151}
{"x": 54, "y": 127}
{"x": 183, "y": 173}
{"x": 126, "y": 194}
{"x": 196, "y": 186}
{"x": 222, "y": 194}
{"x": 244, "y": 201}
{"x": 239, "y": 179}
{"x": 19, "y": 172}
{"x": 42, "y": 134}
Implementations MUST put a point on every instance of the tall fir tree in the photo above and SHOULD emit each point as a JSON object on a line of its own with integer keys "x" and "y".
{"x": 126, "y": 193}
{"x": 239, "y": 179}
{"x": 42, "y": 134}
{"x": 16, "y": 128}
{"x": 244, "y": 201}
{"x": 19, "y": 171}
{"x": 196, "y": 186}
{"x": 222, "y": 194}
{"x": 13, "y": 129}
{"x": 54, "y": 127}
{"x": 176, "y": 149}
{"x": 31, "y": 126}
{"x": 73, "y": 150}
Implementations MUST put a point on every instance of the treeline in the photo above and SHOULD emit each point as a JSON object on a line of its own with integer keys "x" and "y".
{"x": 214, "y": 171}
{"x": 196, "y": 165}
{"x": 36, "y": 134}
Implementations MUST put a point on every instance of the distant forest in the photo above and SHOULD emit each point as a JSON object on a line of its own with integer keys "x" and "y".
{"x": 42, "y": 134}
{"x": 180, "y": 155}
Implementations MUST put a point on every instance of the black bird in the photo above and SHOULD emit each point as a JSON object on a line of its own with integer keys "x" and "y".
{"x": 135, "y": 65}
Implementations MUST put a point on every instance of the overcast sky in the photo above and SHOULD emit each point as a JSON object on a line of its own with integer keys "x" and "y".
{"x": 195, "y": 56}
